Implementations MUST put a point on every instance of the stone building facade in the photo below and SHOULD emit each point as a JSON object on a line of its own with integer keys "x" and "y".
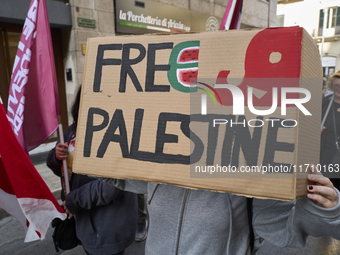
{"x": 70, "y": 16}
{"x": 326, "y": 34}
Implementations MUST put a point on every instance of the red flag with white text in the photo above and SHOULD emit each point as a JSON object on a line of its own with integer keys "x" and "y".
{"x": 23, "y": 193}
{"x": 33, "y": 103}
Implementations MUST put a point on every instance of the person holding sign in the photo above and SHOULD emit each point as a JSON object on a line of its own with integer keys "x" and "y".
{"x": 106, "y": 217}
{"x": 330, "y": 129}
{"x": 153, "y": 95}
{"x": 185, "y": 221}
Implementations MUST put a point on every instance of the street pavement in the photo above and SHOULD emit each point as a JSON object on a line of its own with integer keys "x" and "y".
{"x": 12, "y": 233}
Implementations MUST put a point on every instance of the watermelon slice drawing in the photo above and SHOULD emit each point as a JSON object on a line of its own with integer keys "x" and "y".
{"x": 188, "y": 55}
{"x": 183, "y": 63}
{"x": 187, "y": 77}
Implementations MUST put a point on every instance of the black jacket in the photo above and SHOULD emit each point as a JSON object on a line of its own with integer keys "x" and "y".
{"x": 328, "y": 137}
{"x": 327, "y": 146}
{"x": 106, "y": 217}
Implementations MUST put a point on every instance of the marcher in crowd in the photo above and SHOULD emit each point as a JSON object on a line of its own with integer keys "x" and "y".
{"x": 331, "y": 129}
{"x": 185, "y": 221}
{"x": 106, "y": 217}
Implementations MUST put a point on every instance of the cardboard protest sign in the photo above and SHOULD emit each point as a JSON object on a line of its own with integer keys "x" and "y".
{"x": 216, "y": 110}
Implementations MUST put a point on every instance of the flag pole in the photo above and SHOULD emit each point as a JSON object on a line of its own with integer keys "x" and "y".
{"x": 65, "y": 174}
{"x": 327, "y": 111}
{"x": 325, "y": 14}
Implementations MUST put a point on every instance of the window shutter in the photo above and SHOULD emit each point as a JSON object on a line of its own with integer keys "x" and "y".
{"x": 337, "y": 23}
{"x": 321, "y": 18}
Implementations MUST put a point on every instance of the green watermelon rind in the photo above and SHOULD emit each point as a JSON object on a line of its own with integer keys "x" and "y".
{"x": 172, "y": 73}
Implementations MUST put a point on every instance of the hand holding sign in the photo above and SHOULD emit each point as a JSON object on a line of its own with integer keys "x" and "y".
{"x": 322, "y": 191}
{"x": 61, "y": 151}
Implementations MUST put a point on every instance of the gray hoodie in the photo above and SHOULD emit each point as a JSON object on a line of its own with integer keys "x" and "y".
{"x": 194, "y": 222}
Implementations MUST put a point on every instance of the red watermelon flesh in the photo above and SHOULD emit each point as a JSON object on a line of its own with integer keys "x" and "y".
{"x": 187, "y": 77}
{"x": 188, "y": 55}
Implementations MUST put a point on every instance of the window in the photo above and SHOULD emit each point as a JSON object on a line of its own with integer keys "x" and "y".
{"x": 331, "y": 17}
{"x": 332, "y": 21}
{"x": 280, "y": 20}
{"x": 328, "y": 70}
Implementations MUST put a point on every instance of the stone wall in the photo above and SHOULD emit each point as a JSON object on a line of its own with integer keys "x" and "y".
{"x": 102, "y": 12}
{"x": 255, "y": 13}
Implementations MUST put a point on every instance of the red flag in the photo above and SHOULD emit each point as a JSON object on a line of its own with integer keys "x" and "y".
{"x": 33, "y": 103}
{"x": 232, "y": 16}
{"x": 23, "y": 193}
